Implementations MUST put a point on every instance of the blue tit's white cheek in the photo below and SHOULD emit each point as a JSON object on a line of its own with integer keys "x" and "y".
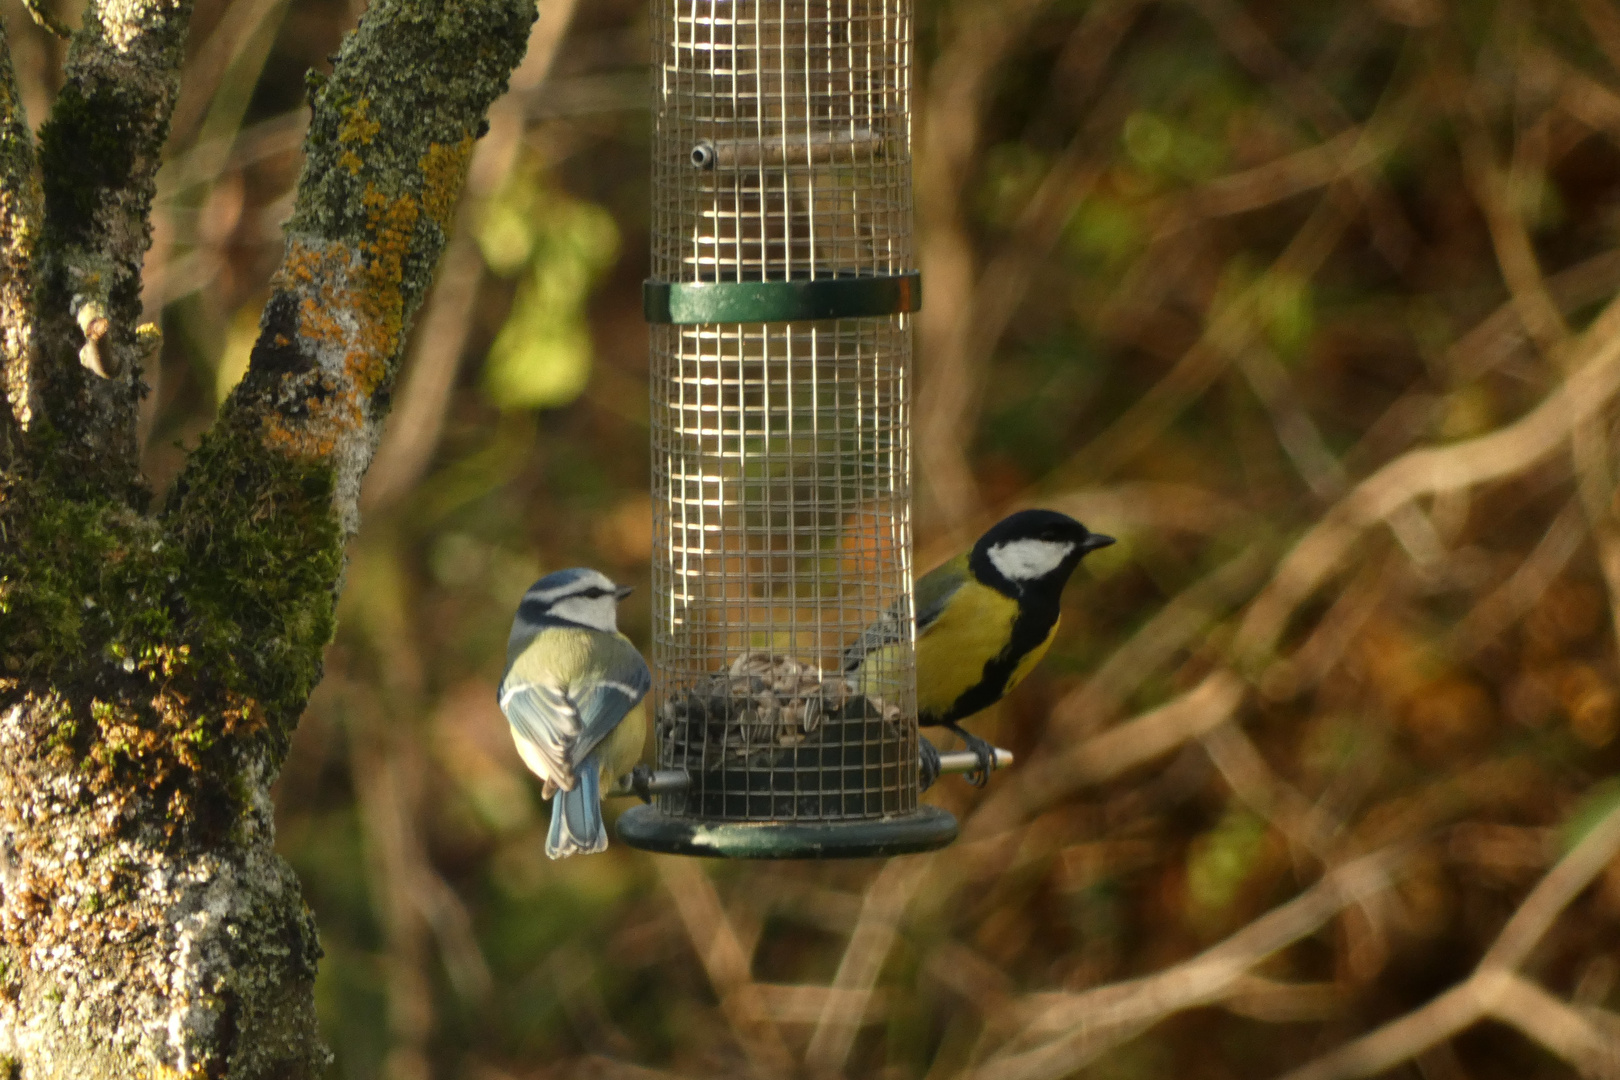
{"x": 1026, "y": 560}
{"x": 596, "y": 612}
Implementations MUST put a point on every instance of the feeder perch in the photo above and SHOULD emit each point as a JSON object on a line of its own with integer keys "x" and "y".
{"x": 780, "y": 302}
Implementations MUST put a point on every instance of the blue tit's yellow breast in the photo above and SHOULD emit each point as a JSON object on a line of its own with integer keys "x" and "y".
{"x": 569, "y": 656}
{"x": 621, "y": 751}
{"x": 973, "y": 629}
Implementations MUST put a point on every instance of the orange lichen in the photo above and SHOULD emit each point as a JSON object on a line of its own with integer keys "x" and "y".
{"x": 358, "y": 128}
{"x": 444, "y": 168}
{"x": 350, "y": 302}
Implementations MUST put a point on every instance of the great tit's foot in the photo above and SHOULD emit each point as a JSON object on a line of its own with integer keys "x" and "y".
{"x": 928, "y": 769}
{"x": 641, "y": 782}
{"x": 986, "y": 755}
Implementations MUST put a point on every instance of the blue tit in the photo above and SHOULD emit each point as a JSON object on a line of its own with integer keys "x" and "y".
{"x": 572, "y": 691}
{"x": 984, "y": 620}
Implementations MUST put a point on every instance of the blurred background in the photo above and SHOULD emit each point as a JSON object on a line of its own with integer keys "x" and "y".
{"x": 1226, "y": 279}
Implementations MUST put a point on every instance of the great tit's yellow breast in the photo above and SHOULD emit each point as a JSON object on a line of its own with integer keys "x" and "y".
{"x": 974, "y": 628}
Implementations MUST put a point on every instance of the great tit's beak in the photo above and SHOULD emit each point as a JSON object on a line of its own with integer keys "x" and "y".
{"x": 622, "y": 591}
{"x": 1095, "y": 541}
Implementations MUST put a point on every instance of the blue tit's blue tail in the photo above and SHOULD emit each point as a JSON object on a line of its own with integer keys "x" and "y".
{"x": 576, "y": 816}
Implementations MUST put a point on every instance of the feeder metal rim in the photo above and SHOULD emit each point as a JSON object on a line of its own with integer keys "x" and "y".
{"x": 650, "y": 829}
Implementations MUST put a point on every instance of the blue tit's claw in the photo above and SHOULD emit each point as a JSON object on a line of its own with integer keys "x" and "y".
{"x": 641, "y": 782}
{"x": 928, "y": 768}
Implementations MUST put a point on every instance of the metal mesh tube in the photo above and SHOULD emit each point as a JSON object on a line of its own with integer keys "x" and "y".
{"x": 781, "y": 451}
{"x": 805, "y": 107}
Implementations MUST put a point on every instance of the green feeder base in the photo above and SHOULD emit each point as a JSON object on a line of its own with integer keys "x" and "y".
{"x": 650, "y": 829}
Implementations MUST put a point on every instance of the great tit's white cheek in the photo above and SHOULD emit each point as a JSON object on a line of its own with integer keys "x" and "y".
{"x": 1026, "y": 560}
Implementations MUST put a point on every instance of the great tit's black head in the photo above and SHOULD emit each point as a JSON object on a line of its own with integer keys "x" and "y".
{"x": 1032, "y": 548}
{"x": 580, "y": 596}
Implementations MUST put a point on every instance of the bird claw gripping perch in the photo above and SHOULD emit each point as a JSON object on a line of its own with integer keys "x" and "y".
{"x": 928, "y": 768}
{"x": 641, "y": 778}
{"x": 934, "y": 764}
{"x": 984, "y": 755}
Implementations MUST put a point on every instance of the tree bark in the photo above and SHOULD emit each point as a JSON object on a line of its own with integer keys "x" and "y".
{"x": 153, "y": 664}
{"x": 19, "y": 216}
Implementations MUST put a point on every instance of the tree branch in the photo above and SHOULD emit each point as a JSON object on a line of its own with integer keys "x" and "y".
{"x": 387, "y": 156}
{"x": 418, "y": 418}
{"x": 19, "y": 225}
{"x": 1431, "y": 469}
{"x": 99, "y": 155}
{"x": 868, "y": 950}
{"x": 969, "y": 313}
{"x": 950, "y": 120}
{"x": 1493, "y": 989}
{"x": 152, "y": 667}
{"x": 1063, "y": 1032}
{"x": 727, "y": 963}
{"x": 1103, "y": 757}
{"x": 46, "y": 20}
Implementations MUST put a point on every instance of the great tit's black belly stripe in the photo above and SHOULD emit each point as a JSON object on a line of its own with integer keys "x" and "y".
{"x": 1032, "y": 626}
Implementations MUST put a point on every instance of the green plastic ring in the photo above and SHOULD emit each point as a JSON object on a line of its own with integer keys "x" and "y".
{"x": 686, "y": 302}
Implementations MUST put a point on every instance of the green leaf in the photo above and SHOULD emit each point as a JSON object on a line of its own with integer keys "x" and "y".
{"x": 1222, "y": 859}
{"x": 541, "y": 357}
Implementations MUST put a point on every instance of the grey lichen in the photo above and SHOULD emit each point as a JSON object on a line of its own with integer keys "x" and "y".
{"x": 122, "y": 950}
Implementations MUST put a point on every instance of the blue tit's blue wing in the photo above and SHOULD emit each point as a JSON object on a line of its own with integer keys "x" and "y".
{"x": 622, "y": 681}
{"x": 544, "y": 718}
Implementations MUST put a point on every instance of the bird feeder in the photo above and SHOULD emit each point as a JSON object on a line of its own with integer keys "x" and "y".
{"x": 781, "y": 301}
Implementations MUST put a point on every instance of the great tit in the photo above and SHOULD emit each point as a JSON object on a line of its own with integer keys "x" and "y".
{"x": 984, "y": 620}
{"x": 572, "y": 691}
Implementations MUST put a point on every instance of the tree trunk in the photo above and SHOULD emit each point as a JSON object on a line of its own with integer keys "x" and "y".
{"x": 153, "y": 663}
